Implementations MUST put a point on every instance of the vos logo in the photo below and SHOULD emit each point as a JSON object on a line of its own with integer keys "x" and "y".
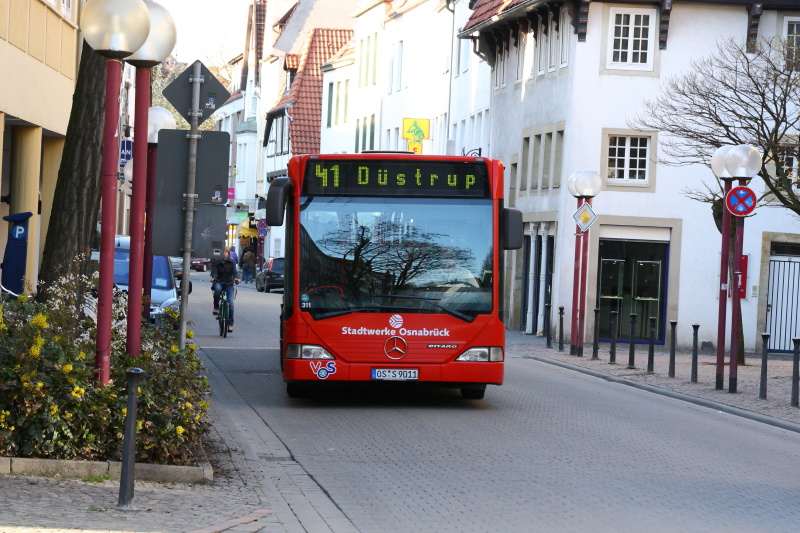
{"x": 322, "y": 371}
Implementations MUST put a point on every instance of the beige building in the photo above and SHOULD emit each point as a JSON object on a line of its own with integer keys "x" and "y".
{"x": 39, "y": 47}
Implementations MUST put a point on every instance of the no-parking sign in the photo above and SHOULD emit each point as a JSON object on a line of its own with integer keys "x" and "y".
{"x": 741, "y": 201}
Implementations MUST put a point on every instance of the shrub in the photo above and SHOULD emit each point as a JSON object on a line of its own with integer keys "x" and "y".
{"x": 50, "y": 404}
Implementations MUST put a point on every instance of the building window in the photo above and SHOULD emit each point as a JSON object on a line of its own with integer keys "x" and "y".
{"x": 338, "y": 98}
{"x": 542, "y": 43}
{"x": 628, "y": 160}
{"x": 346, "y": 99}
{"x": 790, "y": 162}
{"x": 553, "y": 38}
{"x": 330, "y": 104}
{"x": 375, "y": 60}
{"x": 358, "y": 133}
{"x": 791, "y": 33}
{"x": 564, "y": 37}
{"x": 500, "y": 65}
{"x": 631, "y": 39}
{"x": 398, "y": 63}
{"x": 522, "y": 53}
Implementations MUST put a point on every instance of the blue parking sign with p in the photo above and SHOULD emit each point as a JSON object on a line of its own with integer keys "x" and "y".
{"x": 16, "y": 252}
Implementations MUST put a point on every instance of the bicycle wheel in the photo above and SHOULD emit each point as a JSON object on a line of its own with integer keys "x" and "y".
{"x": 221, "y": 316}
{"x": 224, "y": 321}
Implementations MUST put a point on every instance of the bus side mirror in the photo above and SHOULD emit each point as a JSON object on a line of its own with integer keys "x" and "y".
{"x": 512, "y": 229}
{"x": 277, "y": 197}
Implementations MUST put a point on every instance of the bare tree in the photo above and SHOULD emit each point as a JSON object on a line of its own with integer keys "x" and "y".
{"x": 737, "y": 95}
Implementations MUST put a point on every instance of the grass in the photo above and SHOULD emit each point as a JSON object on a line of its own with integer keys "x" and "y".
{"x": 96, "y": 479}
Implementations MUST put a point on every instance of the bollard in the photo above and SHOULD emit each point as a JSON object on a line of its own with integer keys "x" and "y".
{"x": 695, "y": 327}
{"x": 129, "y": 443}
{"x": 561, "y": 328}
{"x": 796, "y": 373}
{"x": 612, "y": 352}
{"x": 673, "y": 324}
{"x": 632, "y": 352}
{"x": 595, "y": 346}
{"x": 762, "y": 391}
{"x": 547, "y": 332}
{"x": 651, "y": 350}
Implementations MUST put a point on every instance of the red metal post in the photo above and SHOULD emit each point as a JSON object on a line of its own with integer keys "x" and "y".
{"x": 736, "y": 313}
{"x": 582, "y": 295}
{"x": 723, "y": 288}
{"x": 147, "y": 270}
{"x": 105, "y": 286}
{"x": 138, "y": 200}
{"x": 576, "y": 282}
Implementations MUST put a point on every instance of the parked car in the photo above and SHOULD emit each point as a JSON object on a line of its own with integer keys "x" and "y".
{"x": 271, "y": 276}
{"x": 201, "y": 264}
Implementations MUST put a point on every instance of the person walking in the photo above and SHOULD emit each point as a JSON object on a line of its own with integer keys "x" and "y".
{"x": 224, "y": 275}
{"x": 249, "y": 266}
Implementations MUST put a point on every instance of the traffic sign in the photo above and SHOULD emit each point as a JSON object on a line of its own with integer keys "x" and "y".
{"x": 741, "y": 201}
{"x": 262, "y": 233}
{"x": 262, "y": 224}
{"x": 585, "y": 217}
{"x": 212, "y": 94}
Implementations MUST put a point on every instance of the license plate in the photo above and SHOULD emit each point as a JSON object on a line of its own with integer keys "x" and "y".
{"x": 395, "y": 374}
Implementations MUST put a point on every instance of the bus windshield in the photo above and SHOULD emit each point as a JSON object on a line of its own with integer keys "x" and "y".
{"x": 418, "y": 255}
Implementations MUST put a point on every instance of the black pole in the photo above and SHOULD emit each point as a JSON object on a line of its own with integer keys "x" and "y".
{"x": 632, "y": 352}
{"x": 547, "y": 332}
{"x": 796, "y": 373}
{"x": 595, "y": 345}
{"x": 673, "y": 324}
{"x": 651, "y": 350}
{"x": 612, "y": 353}
{"x": 561, "y": 328}
{"x": 762, "y": 391}
{"x": 695, "y": 327}
{"x": 127, "y": 475}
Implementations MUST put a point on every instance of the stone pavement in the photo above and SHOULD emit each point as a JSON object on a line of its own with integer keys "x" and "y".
{"x": 242, "y": 500}
{"x": 776, "y": 409}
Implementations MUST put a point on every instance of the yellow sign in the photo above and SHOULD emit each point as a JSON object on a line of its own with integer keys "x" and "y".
{"x": 416, "y": 130}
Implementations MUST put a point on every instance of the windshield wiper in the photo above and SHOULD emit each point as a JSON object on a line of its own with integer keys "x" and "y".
{"x": 331, "y": 314}
{"x": 429, "y": 301}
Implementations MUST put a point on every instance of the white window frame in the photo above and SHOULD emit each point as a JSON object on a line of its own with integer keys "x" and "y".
{"x": 522, "y": 52}
{"x": 565, "y": 39}
{"x": 553, "y": 43}
{"x": 793, "y": 41}
{"x": 626, "y": 179}
{"x": 792, "y": 161}
{"x": 66, "y": 7}
{"x": 629, "y": 64}
{"x": 542, "y": 45}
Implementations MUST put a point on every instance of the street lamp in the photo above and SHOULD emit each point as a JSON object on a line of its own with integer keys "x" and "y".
{"x": 158, "y": 119}
{"x": 720, "y": 171}
{"x": 742, "y": 162}
{"x": 114, "y": 29}
{"x": 583, "y": 185}
{"x": 157, "y": 47}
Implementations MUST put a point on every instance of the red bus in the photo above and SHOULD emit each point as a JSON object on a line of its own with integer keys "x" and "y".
{"x": 393, "y": 269}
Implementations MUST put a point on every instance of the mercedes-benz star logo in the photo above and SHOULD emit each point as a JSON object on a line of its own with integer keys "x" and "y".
{"x": 395, "y": 347}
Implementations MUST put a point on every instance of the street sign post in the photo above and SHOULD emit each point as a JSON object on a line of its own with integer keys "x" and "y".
{"x": 212, "y": 94}
{"x": 741, "y": 201}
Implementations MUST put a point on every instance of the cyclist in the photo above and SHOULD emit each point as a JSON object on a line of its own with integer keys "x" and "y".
{"x": 224, "y": 275}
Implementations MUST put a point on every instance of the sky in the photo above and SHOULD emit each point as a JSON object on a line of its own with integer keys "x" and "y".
{"x": 211, "y": 31}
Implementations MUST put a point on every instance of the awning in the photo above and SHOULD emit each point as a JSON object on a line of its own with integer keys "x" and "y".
{"x": 247, "y": 232}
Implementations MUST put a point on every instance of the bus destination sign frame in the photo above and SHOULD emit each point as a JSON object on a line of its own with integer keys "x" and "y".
{"x": 390, "y": 177}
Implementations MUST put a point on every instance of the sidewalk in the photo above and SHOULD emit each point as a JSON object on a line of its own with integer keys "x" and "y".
{"x": 744, "y": 402}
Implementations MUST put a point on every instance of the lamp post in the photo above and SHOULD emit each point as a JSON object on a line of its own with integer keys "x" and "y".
{"x": 157, "y": 47}
{"x": 721, "y": 172}
{"x": 114, "y": 29}
{"x": 583, "y": 185}
{"x": 158, "y": 119}
{"x": 742, "y": 162}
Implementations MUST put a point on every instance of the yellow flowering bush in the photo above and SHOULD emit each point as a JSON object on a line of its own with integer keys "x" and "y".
{"x": 50, "y": 404}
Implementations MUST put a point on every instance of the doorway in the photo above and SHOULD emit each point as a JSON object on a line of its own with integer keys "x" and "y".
{"x": 783, "y": 297}
{"x": 632, "y": 278}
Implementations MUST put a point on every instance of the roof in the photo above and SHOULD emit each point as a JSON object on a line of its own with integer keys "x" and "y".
{"x": 305, "y": 94}
{"x": 486, "y": 9}
{"x": 292, "y": 62}
{"x": 248, "y": 126}
{"x": 348, "y": 51}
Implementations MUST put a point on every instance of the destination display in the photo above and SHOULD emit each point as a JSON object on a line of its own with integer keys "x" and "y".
{"x": 388, "y": 177}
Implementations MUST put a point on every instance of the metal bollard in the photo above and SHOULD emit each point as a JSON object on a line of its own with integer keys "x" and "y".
{"x": 612, "y": 352}
{"x": 695, "y": 327}
{"x": 673, "y": 324}
{"x": 547, "y": 332}
{"x": 595, "y": 346}
{"x": 632, "y": 352}
{"x": 561, "y": 328}
{"x": 651, "y": 350}
{"x": 129, "y": 444}
{"x": 796, "y": 373}
{"x": 762, "y": 391}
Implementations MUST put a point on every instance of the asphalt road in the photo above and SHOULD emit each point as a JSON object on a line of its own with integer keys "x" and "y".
{"x": 551, "y": 450}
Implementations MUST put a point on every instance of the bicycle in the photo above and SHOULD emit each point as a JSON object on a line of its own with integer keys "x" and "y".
{"x": 223, "y": 313}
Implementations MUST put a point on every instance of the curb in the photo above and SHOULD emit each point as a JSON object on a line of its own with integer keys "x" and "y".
{"x": 764, "y": 419}
{"x": 203, "y": 473}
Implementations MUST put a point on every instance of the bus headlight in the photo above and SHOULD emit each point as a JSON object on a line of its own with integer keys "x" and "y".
{"x": 482, "y": 354}
{"x": 307, "y": 351}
